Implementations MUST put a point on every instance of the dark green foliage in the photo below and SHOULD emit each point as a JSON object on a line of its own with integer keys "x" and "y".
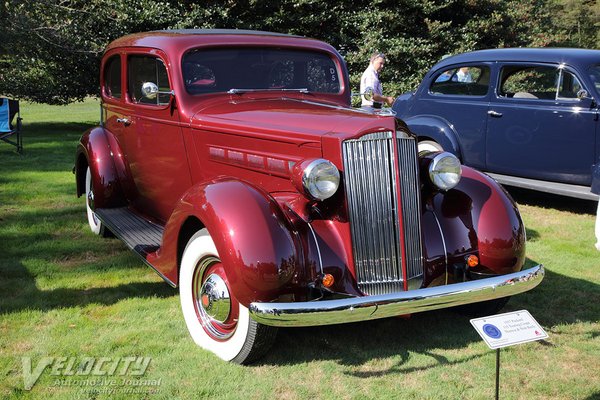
{"x": 50, "y": 49}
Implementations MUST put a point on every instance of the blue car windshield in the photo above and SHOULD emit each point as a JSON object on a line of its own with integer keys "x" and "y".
{"x": 595, "y": 77}
{"x": 241, "y": 69}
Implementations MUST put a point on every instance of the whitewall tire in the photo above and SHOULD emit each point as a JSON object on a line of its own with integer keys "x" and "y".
{"x": 95, "y": 224}
{"x": 215, "y": 319}
{"x": 428, "y": 146}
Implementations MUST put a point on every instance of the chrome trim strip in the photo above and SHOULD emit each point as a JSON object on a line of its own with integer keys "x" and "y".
{"x": 327, "y": 312}
{"x": 317, "y": 246}
{"x": 411, "y": 206}
{"x": 437, "y": 221}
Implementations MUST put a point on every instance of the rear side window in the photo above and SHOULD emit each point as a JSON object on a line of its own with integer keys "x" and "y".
{"x": 112, "y": 77}
{"x": 462, "y": 81}
{"x": 142, "y": 69}
{"x": 539, "y": 82}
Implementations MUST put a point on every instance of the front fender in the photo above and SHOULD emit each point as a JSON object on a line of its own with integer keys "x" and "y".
{"x": 476, "y": 217}
{"x": 95, "y": 151}
{"x": 431, "y": 127}
{"x": 251, "y": 233}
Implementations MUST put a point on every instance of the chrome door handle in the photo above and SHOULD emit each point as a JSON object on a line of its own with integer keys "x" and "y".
{"x": 494, "y": 114}
{"x": 124, "y": 121}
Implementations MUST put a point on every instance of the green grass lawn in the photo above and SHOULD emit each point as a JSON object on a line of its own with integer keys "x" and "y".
{"x": 67, "y": 293}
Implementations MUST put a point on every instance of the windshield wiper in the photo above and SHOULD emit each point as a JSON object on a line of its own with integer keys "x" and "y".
{"x": 242, "y": 91}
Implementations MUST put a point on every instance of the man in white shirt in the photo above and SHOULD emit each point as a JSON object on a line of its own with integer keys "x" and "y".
{"x": 370, "y": 79}
{"x": 463, "y": 75}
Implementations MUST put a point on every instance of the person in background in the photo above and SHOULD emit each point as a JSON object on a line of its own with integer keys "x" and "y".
{"x": 370, "y": 78}
{"x": 463, "y": 75}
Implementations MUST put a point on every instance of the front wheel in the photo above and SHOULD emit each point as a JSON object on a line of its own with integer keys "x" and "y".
{"x": 428, "y": 146}
{"x": 215, "y": 319}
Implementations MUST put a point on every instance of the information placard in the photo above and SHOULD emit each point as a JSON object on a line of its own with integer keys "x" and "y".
{"x": 508, "y": 329}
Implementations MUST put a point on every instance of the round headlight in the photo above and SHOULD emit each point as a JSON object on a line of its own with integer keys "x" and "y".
{"x": 445, "y": 171}
{"x": 320, "y": 179}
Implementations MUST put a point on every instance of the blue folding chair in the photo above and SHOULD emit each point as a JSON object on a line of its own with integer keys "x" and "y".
{"x": 10, "y": 133}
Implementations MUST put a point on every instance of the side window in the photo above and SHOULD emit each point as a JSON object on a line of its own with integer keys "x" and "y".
{"x": 112, "y": 77}
{"x": 462, "y": 81}
{"x": 539, "y": 82}
{"x": 142, "y": 69}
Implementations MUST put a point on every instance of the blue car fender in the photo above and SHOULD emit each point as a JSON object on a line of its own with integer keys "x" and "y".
{"x": 431, "y": 127}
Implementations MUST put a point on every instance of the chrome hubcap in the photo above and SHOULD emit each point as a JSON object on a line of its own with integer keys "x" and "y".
{"x": 214, "y": 298}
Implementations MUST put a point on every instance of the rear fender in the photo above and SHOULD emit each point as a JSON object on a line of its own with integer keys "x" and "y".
{"x": 94, "y": 151}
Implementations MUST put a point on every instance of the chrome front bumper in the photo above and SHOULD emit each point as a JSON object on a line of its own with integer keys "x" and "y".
{"x": 328, "y": 312}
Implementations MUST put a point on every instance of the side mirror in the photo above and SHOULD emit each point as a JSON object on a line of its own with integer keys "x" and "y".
{"x": 368, "y": 94}
{"x": 150, "y": 91}
{"x": 583, "y": 94}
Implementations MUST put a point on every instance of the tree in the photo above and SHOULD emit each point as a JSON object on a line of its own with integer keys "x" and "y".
{"x": 50, "y": 49}
{"x": 579, "y": 22}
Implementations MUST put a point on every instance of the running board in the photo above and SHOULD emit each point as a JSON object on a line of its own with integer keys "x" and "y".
{"x": 139, "y": 234}
{"x": 563, "y": 189}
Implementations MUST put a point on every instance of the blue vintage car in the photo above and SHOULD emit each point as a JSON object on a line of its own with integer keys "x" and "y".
{"x": 527, "y": 116}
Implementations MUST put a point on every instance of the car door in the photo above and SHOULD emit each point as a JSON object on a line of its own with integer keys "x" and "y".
{"x": 538, "y": 127}
{"x": 459, "y": 96}
{"x": 153, "y": 139}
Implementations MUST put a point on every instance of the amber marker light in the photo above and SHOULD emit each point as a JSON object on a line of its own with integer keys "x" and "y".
{"x": 328, "y": 280}
{"x": 472, "y": 261}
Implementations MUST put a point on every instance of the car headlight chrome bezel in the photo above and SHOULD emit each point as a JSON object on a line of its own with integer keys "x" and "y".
{"x": 320, "y": 178}
{"x": 445, "y": 171}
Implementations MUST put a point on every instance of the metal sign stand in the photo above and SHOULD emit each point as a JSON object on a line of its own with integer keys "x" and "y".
{"x": 497, "y": 373}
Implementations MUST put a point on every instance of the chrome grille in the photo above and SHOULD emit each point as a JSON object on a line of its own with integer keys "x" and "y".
{"x": 372, "y": 195}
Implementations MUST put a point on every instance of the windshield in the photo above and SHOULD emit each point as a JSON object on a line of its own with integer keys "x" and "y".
{"x": 595, "y": 77}
{"x": 223, "y": 69}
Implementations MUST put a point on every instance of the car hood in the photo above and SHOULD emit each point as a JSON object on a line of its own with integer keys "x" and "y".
{"x": 300, "y": 119}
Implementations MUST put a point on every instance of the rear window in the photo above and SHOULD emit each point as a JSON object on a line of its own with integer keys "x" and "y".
{"x": 112, "y": 77}
{"x": 538, "y": 82}
{"x": 223, "y": 69}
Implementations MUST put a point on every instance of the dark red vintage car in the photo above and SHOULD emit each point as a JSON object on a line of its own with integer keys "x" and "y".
{"x": 234, "y": 165}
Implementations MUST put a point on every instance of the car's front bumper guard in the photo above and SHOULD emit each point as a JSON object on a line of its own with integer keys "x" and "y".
{"x": 327, "y": 312}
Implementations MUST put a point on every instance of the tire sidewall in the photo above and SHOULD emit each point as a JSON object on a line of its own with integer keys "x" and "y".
{"x": 429, "y": 146}
{"x": 93, "y": 221}
{"x": 201, "y": 245}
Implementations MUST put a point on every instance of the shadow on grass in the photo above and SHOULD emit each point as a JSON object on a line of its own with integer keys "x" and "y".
{"x": 28, "y": 297}
{"x": 58, "y": 247}
{"x": 557, "y": 300}
{"x": 548, "y": 200}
